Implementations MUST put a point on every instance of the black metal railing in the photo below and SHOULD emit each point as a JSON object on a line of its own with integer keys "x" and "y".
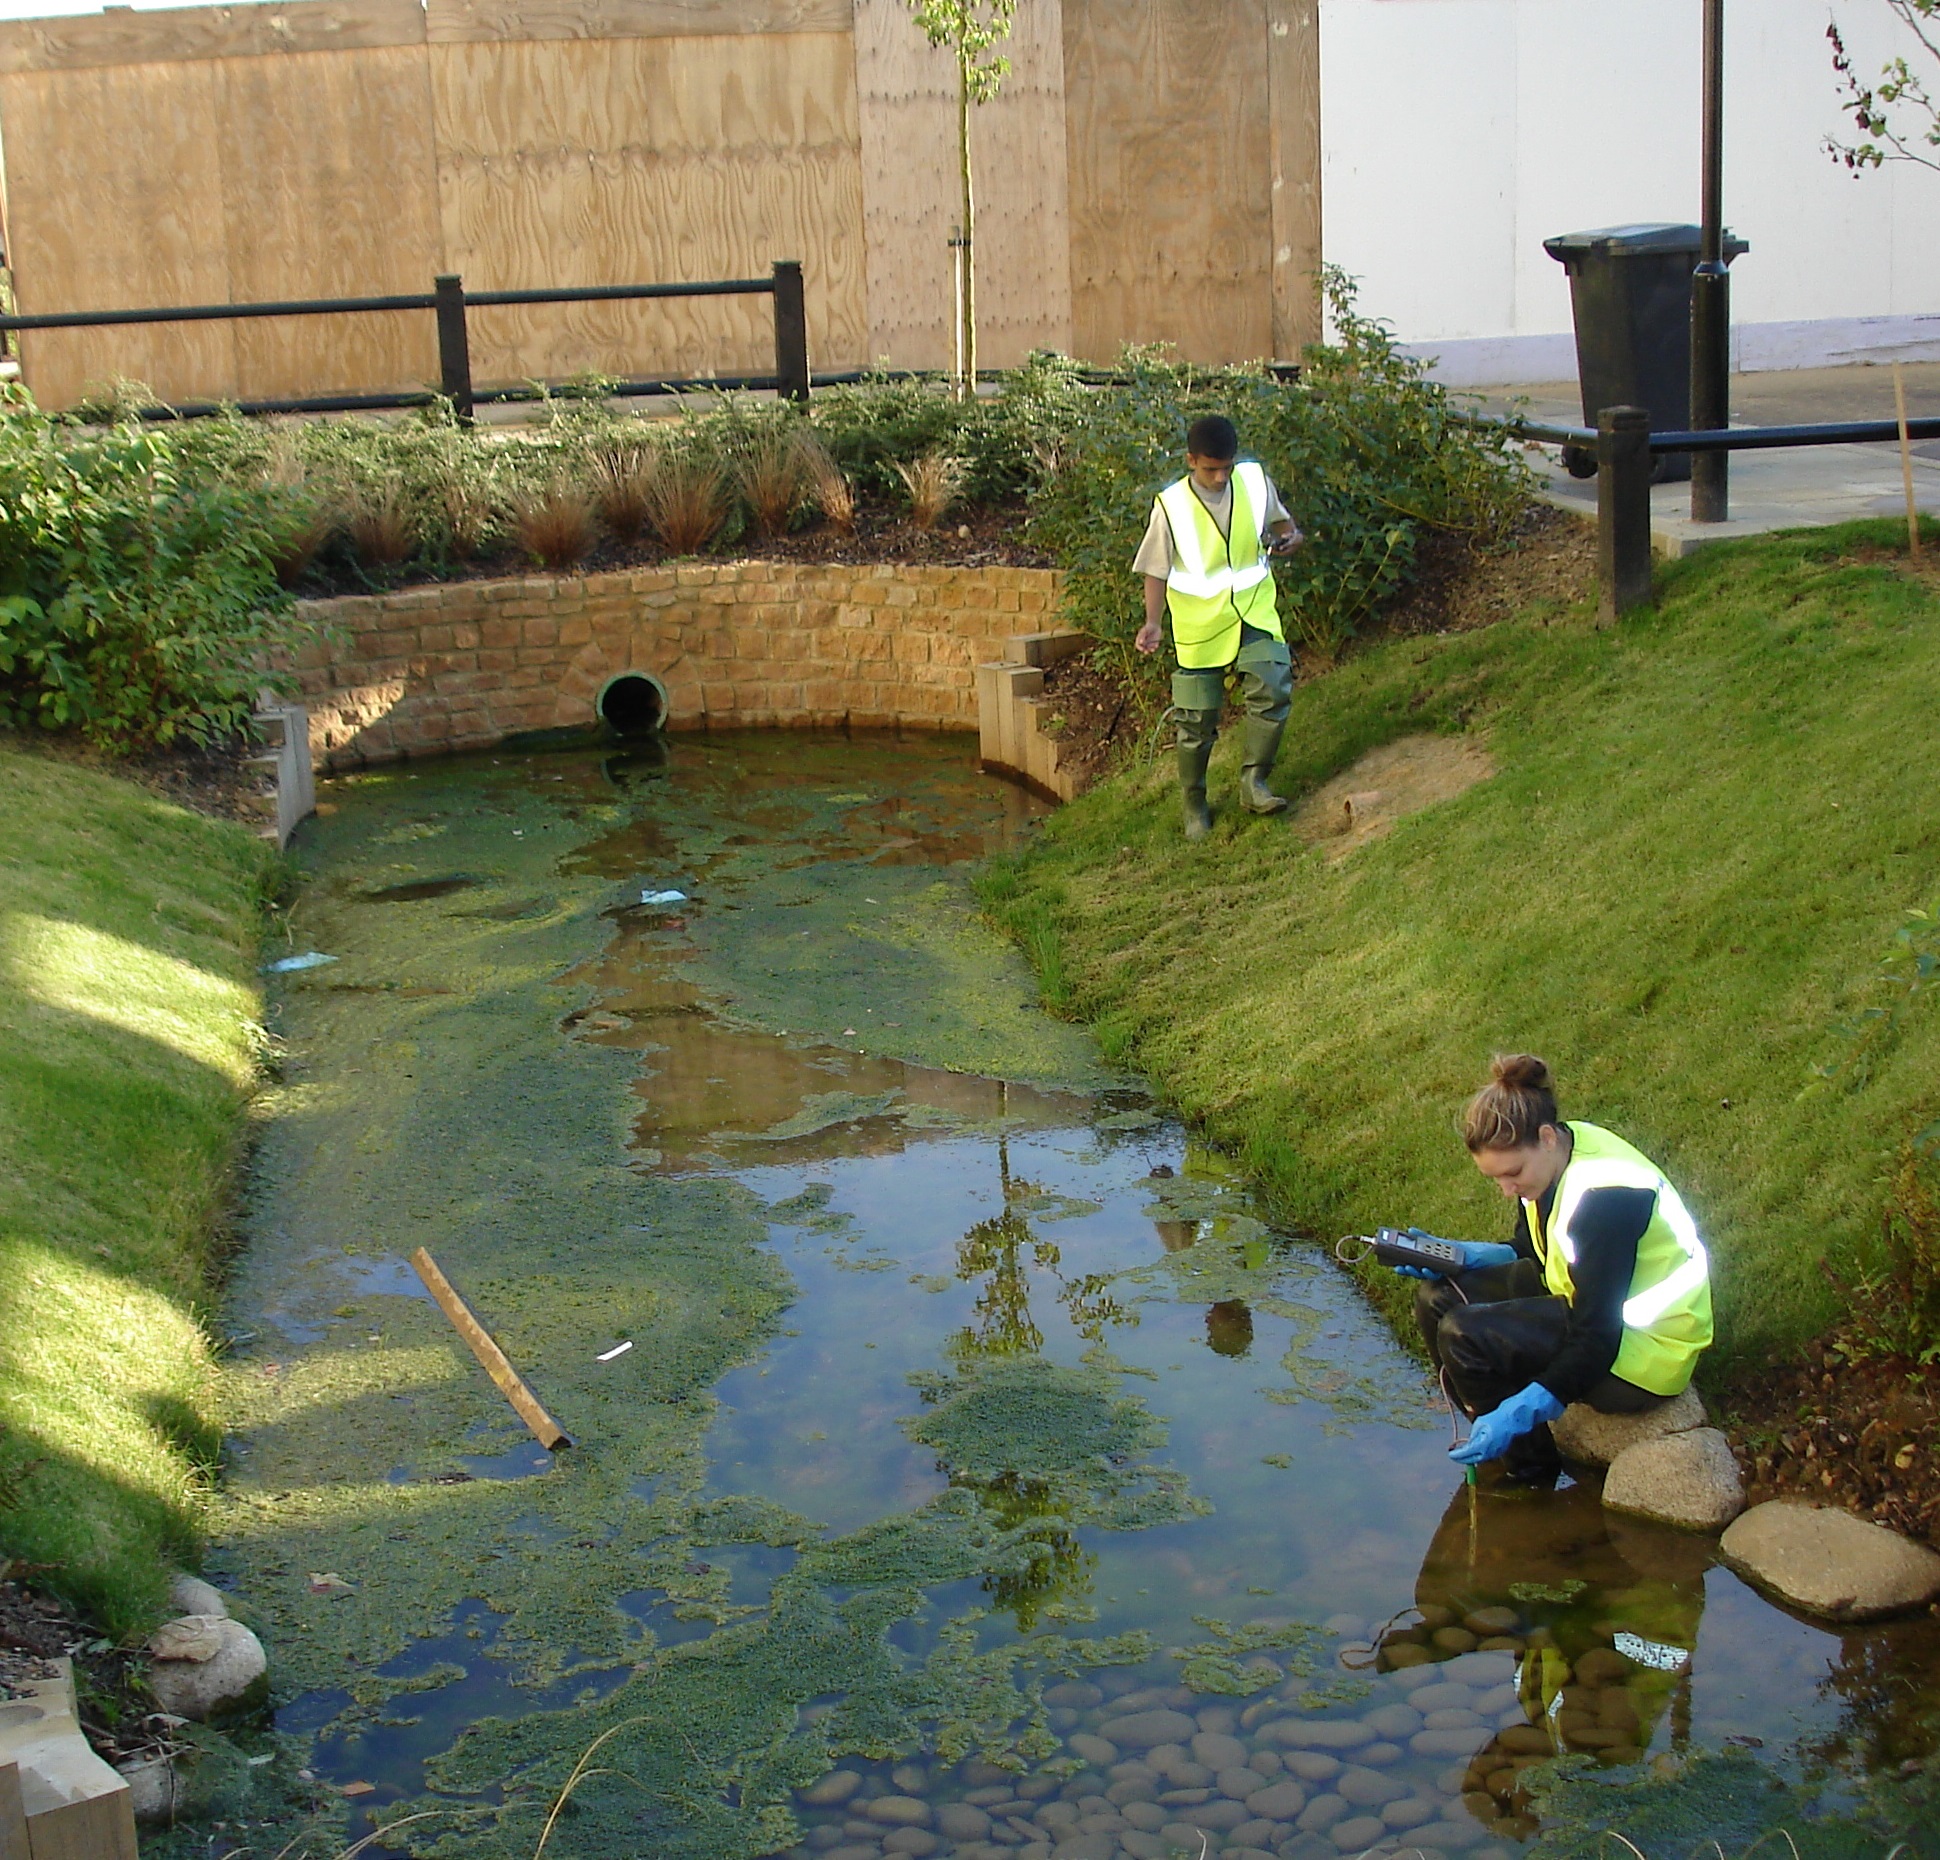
{"x": 452, "y": 304}
{"x": 1624, "y": 447}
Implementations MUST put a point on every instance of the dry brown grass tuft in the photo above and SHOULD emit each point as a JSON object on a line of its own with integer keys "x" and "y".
{"x": 471, "y": 513}
{"x": 825, "y": 484}
{"x": 769, "y": 474}
{"x": 300, "y": 535}
{"x": 687, "y": 501}
{"x": 381, "y": 524}
{"x": 556, "y": 527}
{"x": 934, "y": 483}
{"x": 623, "y": 489}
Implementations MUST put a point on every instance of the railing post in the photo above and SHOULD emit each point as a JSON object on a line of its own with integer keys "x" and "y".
{"x": 791, "y": 331}
{"x": 454, "y": 345}
{"x": 1623, "y": 508}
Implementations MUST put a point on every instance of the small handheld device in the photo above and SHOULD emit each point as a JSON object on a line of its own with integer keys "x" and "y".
{"x": 1394, "y": 1247}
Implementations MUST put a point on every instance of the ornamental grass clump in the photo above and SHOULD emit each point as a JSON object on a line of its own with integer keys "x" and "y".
{"x": 621, "y": 477}
{"x": 381, "y": 525}
{"x": 769, "y": 475}
{"x": 687, "y": 500}
{"x": 826, "y": 486}
{"x": 934, "y": 482}
{"x": 555, "y": 525}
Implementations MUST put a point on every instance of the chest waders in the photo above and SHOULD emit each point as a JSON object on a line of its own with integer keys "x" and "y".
{"x": 1219, "y": 585}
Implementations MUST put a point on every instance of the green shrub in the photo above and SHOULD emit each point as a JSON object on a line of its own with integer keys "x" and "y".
{"x": 1364, "y": 447}
{"x": 136, "y": 594}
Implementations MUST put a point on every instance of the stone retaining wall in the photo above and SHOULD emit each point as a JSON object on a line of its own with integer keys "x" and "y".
{"x": 464, "y": 665}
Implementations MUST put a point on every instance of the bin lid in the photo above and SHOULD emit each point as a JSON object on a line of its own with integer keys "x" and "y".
{"x": 1649, "y": 236}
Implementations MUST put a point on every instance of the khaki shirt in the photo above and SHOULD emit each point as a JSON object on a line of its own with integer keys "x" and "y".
{"x": 1155, "y": 549}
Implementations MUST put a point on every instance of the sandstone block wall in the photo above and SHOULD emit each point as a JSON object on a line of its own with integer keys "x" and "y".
{"x": 463, "y": 665}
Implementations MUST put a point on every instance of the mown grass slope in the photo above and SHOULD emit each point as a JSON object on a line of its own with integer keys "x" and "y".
{"x": 1706, "y": 824}
{"x": 128, "y": 934}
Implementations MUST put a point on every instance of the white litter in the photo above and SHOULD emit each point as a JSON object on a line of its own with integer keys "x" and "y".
{"x": 310, "y": 960}
{"x": 619, "y": 1349}
{"x": 663, "y": 897}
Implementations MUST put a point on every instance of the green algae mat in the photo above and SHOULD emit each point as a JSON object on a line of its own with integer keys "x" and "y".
{"x": 955, "y": 1451}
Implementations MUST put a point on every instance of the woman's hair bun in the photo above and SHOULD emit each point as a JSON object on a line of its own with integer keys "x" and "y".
{"x": 1520, "y": 1072}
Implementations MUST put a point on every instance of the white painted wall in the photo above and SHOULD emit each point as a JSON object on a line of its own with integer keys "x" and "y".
{"x": 1458, "y": 134}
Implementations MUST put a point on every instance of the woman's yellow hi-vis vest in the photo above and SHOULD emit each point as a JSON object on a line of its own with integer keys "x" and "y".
{"x": 1667, "y": 1316}
{"x": 1215, "y": 585}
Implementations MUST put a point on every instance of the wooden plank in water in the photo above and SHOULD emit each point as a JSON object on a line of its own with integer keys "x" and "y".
{"x": 494, "y": 1361}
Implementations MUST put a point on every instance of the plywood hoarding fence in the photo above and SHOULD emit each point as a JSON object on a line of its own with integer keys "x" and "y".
{"x": 1150, "y": 171}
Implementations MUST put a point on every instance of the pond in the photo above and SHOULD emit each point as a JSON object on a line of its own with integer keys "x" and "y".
{"x": 959, "y": 1465}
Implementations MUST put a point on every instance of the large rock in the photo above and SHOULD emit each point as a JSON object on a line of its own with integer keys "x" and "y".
{"x": 208, "y": 1668}
{"x": 1593, "y": 1439}
{"x": 156, "y": 1792}
{"x": 1829, "y": 1562}
{"x": 1146, "y": 1730}
{"x": 1690, "y": 1480}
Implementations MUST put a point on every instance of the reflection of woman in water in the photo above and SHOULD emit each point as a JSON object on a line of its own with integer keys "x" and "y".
{"x": 1594, "y": 1617}
{"x": 1603, "y": 1296}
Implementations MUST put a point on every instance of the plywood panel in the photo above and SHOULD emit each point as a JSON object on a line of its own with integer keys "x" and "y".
{"x": 329, "y": 189}
{"x": 1293, "y": 97}
{"x": 1169, "y": 146}
{"x": 652, "y": 160}
{"x": 127, "y": 37}
{"x": 115, "y": 201}
{"x": 906, "y": 96}
{"x": 453, "y": 22}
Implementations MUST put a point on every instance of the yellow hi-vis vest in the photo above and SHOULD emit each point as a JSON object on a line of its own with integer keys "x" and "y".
{"x": 1667, "y": 1315}
{"x": 1215, "y": 582}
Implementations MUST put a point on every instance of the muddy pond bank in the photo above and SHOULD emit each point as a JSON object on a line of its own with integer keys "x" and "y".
{"x": 984, "y": 1476}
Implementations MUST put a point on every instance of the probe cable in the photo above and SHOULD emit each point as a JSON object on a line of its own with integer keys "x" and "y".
{"x": 1366, "y": 1245}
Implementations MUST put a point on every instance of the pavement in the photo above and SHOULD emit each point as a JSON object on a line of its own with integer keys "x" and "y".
{"x": 1800, "y": 487}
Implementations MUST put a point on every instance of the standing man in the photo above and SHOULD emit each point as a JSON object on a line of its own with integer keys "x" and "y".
{"x": 1205, "y": 560}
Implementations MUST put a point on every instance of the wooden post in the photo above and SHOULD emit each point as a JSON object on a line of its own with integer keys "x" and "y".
{"x": 494, "y": 1361}
{"x": 454, "y": 345}
{"x": 791, "y": 332}
{"x": 1906, "y": 465}
{"x": 1623, "y": 508}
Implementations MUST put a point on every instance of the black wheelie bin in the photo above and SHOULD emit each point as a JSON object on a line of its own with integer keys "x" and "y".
{"x": 1630, "y": 294}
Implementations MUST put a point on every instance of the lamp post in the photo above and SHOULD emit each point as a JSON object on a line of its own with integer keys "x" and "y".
{"x": 1711, "y": 295}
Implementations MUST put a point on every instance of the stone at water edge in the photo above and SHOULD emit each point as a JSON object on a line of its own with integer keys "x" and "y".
{"x": 207, "y": 1667}
{"x": 155, "y": 1791}
{"x": 190, "y": 1595}
{"x": 1592, "y": 1439}
{"x": 1690, "y": 1480}
{"x": 1830, "y": 1563}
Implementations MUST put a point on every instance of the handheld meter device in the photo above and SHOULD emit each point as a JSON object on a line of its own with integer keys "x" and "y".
{"x": 1395, "y": 1247}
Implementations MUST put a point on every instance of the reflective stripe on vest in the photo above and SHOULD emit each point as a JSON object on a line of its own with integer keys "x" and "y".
{"x": 1667, "y": 1316}
{"x": 1215, "y": 582}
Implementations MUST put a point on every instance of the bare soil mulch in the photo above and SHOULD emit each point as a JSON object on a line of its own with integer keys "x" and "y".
{"x": 116, "y": 1714}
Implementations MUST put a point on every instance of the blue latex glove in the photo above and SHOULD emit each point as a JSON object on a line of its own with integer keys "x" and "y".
{"x": 1495, "y": 1432}
{"x": 1475, "y": 1255}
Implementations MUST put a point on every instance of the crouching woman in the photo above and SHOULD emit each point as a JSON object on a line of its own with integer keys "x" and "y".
{"x": 1603, "y": 1296}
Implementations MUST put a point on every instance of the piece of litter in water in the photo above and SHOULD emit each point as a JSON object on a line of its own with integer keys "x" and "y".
{"x": 663, "y": 897}
{"x": 619, "y": 1349}
{"x": 358, "y": 1788}
{"x": 311, "y": 959}
{"x": 328, "y": 1582}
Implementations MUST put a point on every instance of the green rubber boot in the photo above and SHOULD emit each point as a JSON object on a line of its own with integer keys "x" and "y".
{"x": 1260, "y": 746}
{"x": 1193, "y": 760}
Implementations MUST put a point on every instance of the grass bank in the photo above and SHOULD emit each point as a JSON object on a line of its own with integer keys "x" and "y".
{"x": 1704, "y": 827}
{"x": 128, "y": 941}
